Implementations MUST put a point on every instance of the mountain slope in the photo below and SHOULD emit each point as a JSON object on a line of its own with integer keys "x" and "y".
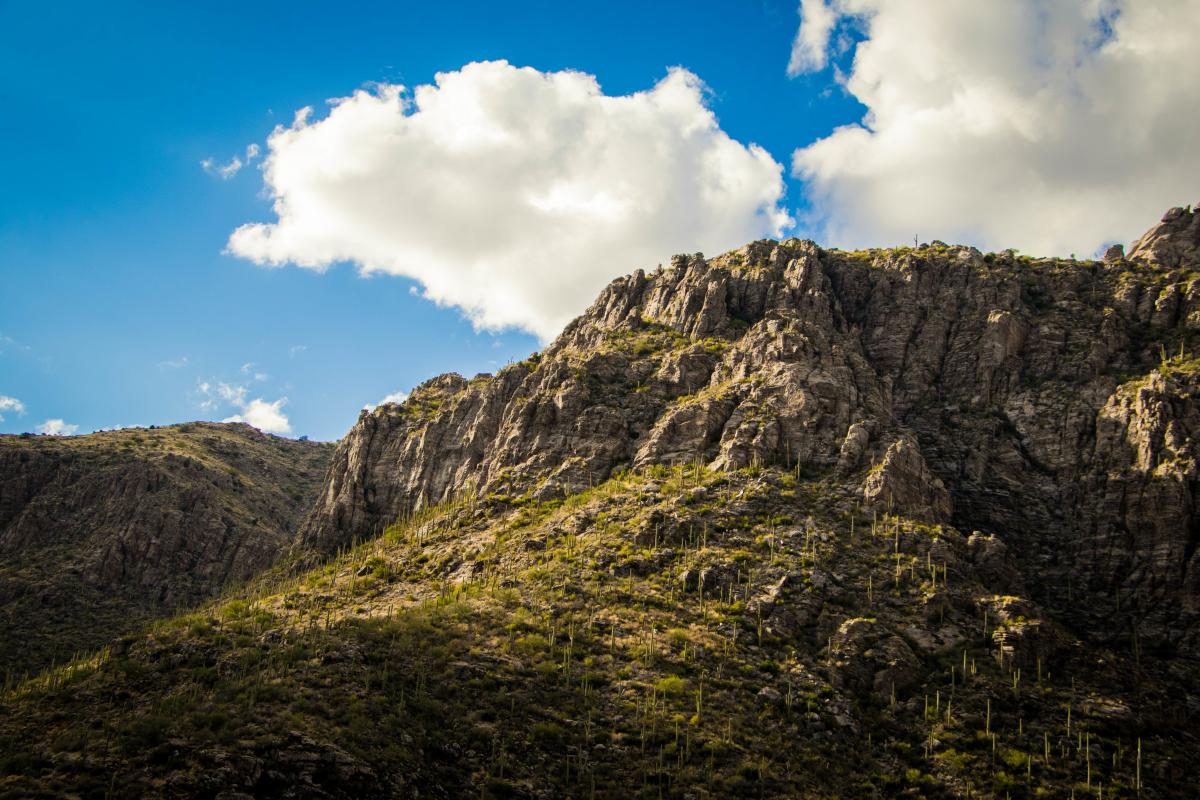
{"x": 671, "y": 632}
{"x": 1026, "y": 383}
{"x": 101, "y": 533}
{"x": 788, "y": 522}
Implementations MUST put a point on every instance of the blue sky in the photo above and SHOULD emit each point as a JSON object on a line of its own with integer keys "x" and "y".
{"x": 111, "y": 235}
{"x": 120, "y": 300}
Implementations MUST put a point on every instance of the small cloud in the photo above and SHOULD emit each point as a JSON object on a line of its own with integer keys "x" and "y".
{"x": 810, "y": 47}
{"x": 57, "y": 427}
{"x": 209, "y": 402}
{"x": 267, "y": 417}
{"x": 223, "y": 171}
{"x": 10, "y": 404}
{"x": 296, "y": 350}
{"x": 174, "y": 363}
{"x": 9, "y": 343}
{"x": 394, "y": 397}
{"x": 232, "y": 394}
{"x": 213, "y": 395}
{"x": 231, "y": 167}
{"x": 248, "y": 369}
{"x": 262, "y": 414}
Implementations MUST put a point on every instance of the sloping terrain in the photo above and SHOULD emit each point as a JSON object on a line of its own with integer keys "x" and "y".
{"x": 671, "y": 632}
{"x": 100, "y": 533}
{"x": 788, "y": 522}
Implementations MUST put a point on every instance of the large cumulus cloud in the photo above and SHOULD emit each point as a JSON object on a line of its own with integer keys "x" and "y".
{"x": 511, "y": 193}
{"x": 1051, "y": 126}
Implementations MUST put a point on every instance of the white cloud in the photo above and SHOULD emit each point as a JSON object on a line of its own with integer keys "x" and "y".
{"x": 10, "y": 404}
{"x": 208, "y": 401}
{"x": 296, "y": 350}
{"x": 811, "y": 46}
{"x": 8, "y": 343}
{"x": 248, "y": 369}
{"x": 174, "y": 363}
{"x": 267, "y": 417}
{"x": 394, "y": 397}
{"x": 56, "y": 427}
{"x": 223, "y": 171}
{"x": 231, "y": 167}
{"x": 232, "y": 394}
{"x": 511, "y": 193}
{"x": 1050, "y": 127}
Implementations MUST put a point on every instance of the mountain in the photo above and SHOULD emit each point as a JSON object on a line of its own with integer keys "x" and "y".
{"x": 1047, "y": 396}
{"x": 101, "y": 533}
{"x": 785, "y": 522}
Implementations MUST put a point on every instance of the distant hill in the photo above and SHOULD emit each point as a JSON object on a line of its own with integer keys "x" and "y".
{"x": 100, "y": 533}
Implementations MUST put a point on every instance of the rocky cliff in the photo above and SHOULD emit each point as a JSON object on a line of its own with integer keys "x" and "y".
{"x": 99, "y": 533}
{"x": 1049, "y": 402}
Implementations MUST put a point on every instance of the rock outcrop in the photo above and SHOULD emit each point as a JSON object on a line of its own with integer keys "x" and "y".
{"x": 868, "y": 659}
{"x": 1173, "y": 242}
{"x": 901, "y": 483}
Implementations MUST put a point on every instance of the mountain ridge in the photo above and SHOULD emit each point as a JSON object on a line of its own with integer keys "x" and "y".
{"x": 787, "y": 522}
{"x": 776, "y": 352}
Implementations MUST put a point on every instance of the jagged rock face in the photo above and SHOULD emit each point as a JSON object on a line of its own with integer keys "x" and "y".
{"x": 902, "y": 484}
{"x": 1004, "y": 378}
{"x": 708, "y": 361}
{"x": 1173, "y": 242}
{"x": 1136, "y": 512}
{"x": 97, "y": 531}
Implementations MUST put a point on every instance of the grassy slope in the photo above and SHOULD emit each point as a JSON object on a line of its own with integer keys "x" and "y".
{"x": 517, "y": 649}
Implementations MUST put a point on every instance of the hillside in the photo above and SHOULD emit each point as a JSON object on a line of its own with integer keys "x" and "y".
{"x": 786, "y": 522}
{"x": 101, "y": 533}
